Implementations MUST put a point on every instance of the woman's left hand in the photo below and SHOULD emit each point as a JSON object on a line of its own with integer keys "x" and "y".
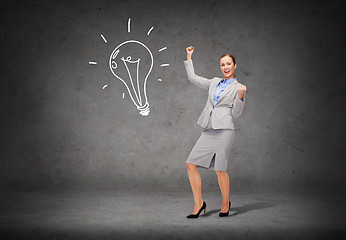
{"x": 241, "y": 92}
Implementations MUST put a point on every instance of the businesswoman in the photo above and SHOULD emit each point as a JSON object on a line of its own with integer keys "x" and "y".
{"x": 226, "y": 98}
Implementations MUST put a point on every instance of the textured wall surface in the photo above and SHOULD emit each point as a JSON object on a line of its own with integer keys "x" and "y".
{"x": 60, "y": 129}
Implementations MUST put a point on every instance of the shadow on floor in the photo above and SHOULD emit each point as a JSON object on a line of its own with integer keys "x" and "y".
{"x": 243, "y": 209}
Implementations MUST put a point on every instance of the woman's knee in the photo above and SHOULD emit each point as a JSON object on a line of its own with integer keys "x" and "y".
{"x": 220, "y": 172}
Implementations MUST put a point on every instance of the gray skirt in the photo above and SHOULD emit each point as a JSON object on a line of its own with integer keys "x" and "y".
{"x": 212, "y": 149}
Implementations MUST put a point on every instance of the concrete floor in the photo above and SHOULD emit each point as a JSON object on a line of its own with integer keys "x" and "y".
{"x": 144, "y": 214}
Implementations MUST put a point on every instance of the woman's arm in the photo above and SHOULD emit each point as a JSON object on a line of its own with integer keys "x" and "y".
{"x": 195, "y": 79}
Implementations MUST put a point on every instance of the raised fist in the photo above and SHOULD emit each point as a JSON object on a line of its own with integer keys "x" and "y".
{"x": 241, "y": 91}
{"x": 189, "y": 50}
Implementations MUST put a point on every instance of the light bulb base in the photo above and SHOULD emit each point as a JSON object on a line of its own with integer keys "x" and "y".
{"x": 144, "y": 110}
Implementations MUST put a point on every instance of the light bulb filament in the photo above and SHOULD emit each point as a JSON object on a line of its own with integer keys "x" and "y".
{"x": 128, "y": 60}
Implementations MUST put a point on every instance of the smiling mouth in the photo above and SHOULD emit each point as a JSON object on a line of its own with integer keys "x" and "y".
{"x": 227, "y": 71}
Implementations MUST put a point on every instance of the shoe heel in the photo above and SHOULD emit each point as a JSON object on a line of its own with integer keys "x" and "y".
{"x": 205, "y": 210}
{"x": 204, "y": 206}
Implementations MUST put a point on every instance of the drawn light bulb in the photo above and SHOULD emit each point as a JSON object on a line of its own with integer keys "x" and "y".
{"x": 131, "y": 62}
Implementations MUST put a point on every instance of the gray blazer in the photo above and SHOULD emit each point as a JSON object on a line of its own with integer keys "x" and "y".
{"x": 228, "y": 106}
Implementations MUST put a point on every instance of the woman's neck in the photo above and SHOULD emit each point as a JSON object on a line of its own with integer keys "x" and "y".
{"x": 230, "y": 77}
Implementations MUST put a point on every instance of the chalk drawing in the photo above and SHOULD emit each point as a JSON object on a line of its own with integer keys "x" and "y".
{"x": 104, "y": 39}
{"x": 132, "y": 81}
{"x": 133, "y": 69}
{"x": 129, "y": 25}
{"x": 150, "y": 30}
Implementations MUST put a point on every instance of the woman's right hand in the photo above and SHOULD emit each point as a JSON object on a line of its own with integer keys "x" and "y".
{"x": 189, "y": 51}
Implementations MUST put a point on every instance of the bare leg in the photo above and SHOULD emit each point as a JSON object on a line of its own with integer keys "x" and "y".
{"x": 195, "y": 182}
{"x": 223, "y": 179}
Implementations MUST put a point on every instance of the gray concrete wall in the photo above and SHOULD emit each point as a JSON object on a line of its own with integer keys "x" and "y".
{"x": 60, "y": 129}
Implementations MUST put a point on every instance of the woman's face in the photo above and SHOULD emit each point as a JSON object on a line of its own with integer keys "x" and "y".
{"x": 227, "y": 67}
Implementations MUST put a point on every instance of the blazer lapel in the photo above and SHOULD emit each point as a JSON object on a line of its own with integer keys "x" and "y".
{"x": 227, "y": 90}
{"x": 212, "y": 90}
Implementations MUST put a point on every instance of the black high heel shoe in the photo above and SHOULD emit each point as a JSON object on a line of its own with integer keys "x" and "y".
{"x": 204, "y": 206}
{"x": 221, "y": 214}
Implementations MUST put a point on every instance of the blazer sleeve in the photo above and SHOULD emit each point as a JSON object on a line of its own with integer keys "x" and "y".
{"x": 238, "y": 106}
{"x": 195, "y": 79}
